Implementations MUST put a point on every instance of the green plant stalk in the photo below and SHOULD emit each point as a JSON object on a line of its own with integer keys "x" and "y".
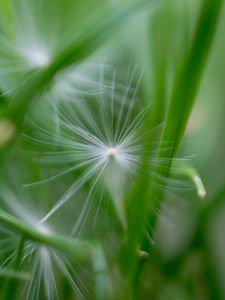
{"x": 18, "y": 275}
{"x": 12, "y": 283}
{"x": 184, "y": 93}
{"x": 135, "y": 209}
{"x": 102, "y": 280}
{"x": 79, "y": 250}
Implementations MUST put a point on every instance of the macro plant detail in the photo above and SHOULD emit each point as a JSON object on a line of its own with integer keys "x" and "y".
{"x": 107, "y": 149}
{"x": 99, "y": 135}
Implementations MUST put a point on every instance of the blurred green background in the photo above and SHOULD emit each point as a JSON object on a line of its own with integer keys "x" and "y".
{"x": 188, "y": 257}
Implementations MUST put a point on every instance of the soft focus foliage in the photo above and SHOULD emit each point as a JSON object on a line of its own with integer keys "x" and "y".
{"x": 112, "y": 149}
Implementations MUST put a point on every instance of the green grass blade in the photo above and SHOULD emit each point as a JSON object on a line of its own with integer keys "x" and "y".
{"x": 189, "y": 76}
{"x": 186, "y": 86}
{"x": 184, "y": 93}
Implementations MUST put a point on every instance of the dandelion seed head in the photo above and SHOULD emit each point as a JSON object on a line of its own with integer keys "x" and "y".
{"x": 99, "y": 133}
{"x": 41, "y": 260}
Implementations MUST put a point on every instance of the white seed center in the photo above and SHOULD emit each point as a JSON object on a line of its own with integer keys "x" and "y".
{"x": 36, "y": 57}
{"x": 112, "y": 153}
{"x": 40, "y": 58}
{"x": 43, "y": 229}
